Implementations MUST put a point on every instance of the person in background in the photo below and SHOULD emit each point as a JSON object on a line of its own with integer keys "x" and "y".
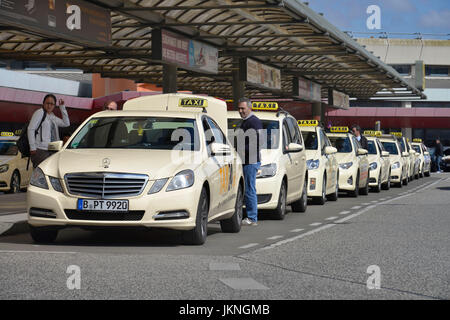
{"x": 356, "y": 130}
{"x": 48, "y": 130}
{"x": 438, "y": 154}
{"x": 110, "y": 105}
{"x": 251, "y": 158}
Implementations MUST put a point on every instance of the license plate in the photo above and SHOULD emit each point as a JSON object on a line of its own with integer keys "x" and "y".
{"x": 102, "y": 205}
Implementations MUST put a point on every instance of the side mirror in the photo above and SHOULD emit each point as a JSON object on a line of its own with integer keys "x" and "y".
{"x": 294, "y": 147}
{"x": 426, "y": 153}
{"x": 405, "y": 154}
{"x": 220, "y": 149}
{"x": 412, "y": 152}
{"x": 384, "y": 154}
{"x": 330, "y": 150}
{"x": 55, "y": 146}
{"x": 362, "y": 152}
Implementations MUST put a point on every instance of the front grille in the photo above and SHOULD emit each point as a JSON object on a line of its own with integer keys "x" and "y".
{"x": 264, "y": 198}
{"x": 372, "y": 180}
{"x": 102, "y": 185}
{"x": 104, "y": 216}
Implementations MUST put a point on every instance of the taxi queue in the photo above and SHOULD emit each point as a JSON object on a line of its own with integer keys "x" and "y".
{"x": 168, "y": 161}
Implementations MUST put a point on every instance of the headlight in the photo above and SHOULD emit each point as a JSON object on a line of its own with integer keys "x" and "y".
{"x": 38, "y": 179}
{"x": 312, "y": 164}
{"x": 396, "y": 165}
{"x": 346, "y": 165}
{"x": 266, "y": 171}
{"x": 373, "y": 166}
{"x": 4, "y": 168}
{"x": 158, "y": 185}
{"x": 183, "y": 179}
{"x": 56, "y": 184}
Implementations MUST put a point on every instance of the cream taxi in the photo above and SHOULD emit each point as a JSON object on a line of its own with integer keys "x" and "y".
{"x": 162, "y": 162}
{"x": 398, "y": 159}
{"x": 411, "y": 154}
{"x": 380, "y": 165}
{"x": 353, "y": 162}
{"x": 15, "y": 171}
{"x": 424, "y": 157}
{"x": 321, "y": 162}
{"x": 282, "y": 178}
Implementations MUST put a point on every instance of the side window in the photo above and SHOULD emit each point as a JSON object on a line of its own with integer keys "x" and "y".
{"x": 356, "y": 144}
{"x": 293, "y": 130}
{"x": 380, "y": 146}
{"x": 286, "y": 136}
{"x": 219, "y": 137}
{"x": 324, "y": 140}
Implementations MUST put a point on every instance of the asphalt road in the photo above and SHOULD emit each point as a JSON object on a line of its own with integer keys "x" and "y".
{"x": 323, "y": 253}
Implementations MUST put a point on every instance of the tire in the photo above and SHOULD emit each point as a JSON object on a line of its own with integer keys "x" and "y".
{"x": 365, "y": 190}
{"x": 427, "y": 173}
{"x": 405, "y": 181}
{"x": 321, "y": 200}
{"x": 197, "y": 236}
{"x": 233, "y": 224}
{"x": 15, "y": 183}
{"x": 335, "y": 195}
{"x": 43, "y": 234}
{"x": 301, "y": 204}
{"x": 387, "y": 185}
{"x": 280, "y": 210}
{"x": 377, "y": 189}
{"x": 355, "y": 192}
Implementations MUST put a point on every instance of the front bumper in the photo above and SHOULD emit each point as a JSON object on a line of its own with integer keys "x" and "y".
{"x": 373, "y": 176}
{"x": 396, "y": 175}
{"x": 64, "y": 206}
{"x": 315, "y": 189}
{"x": 268, "y": 192}
{"x": 347, "y": 178}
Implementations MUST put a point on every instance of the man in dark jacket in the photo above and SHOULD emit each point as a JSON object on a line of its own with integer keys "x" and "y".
{"x": 251, "y": 127}
{"x": 362, "y": 140}
{"x": 438, "y": 154}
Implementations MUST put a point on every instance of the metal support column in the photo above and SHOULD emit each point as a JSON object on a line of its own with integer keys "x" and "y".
{"x": 317, "y": 112}
{"x": 237, "y": 84}
{"x": 169, "y": 79}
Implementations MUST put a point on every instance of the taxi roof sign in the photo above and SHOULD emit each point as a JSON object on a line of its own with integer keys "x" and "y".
{"x": 308, "y": 123}
{"x": 397, "y": 134}
{"x": 7, "y": 134}
{"x": 372, "y": 133}
{"x": 339, "y": 129}
{"x": 262, "y": 105}
{"x": 193, "y": 102}
{"x": 417, "y": 140}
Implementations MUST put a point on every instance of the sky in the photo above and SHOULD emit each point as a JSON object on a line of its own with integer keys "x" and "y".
{"x": 401, "y": 16}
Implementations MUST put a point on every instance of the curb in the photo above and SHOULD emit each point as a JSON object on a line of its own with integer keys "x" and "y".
{"x": 13, "y": 228}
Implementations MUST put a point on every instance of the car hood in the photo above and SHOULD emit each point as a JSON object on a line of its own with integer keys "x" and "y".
{"x": 269, "y": 156}
{"x": 344, "y": 157}
{"x": 373, "y": 158}
{"x": 5, "y": 159}
{"x": 312, "y": 154}
{"x": 154, "y": 163}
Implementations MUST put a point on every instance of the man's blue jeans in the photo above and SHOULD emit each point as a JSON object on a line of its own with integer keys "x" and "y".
{"x": 438, "y": 163}
{"x": 251, "y": 200}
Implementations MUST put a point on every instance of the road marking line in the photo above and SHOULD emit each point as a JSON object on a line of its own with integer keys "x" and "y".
{"x": 331, "y": 218}
{"x": 27, "y": 251}
{"x": 315, "y": 224}
{"x": 382, "y": 199}
{"x": 249, "y": 245}
{"x": 219, "y": 266}
{"x": 296, "y": 230}
{"x": 279, "y": 243}
{"x": 275, "y": 237}
{"x": 243, "y": 284}
{"x": 344, "y": 212}
{"x": 374, "y": 201}
{"x": 366, "y": 203}
{"x": 356, "y": 207}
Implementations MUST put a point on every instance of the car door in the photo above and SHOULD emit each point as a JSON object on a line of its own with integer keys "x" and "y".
{"x": 363, "y": 163}
{"x": 296, "y": 175}
{"x": 386, "y": 162}
{"x": 327, "y": 160}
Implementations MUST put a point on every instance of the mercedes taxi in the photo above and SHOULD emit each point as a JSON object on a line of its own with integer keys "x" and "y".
{"x": 424, "y": 157}
{"x": 380, "y": 165}
{"x": 163, "y": 162}
{"x": 353, "y": 162}
{"x": 321, "y": 162}
{"x": 15, "y": 171}
{"x": 411, "y": 158}
{"x": 399, "y": 159}
{"x": 282, "y": 178}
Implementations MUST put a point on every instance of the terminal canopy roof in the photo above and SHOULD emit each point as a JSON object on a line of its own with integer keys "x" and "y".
{"x": 286, "y": 35}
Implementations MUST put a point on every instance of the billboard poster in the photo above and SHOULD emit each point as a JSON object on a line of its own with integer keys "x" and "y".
{"x": 74, "y": 20}
{"x": 307, "y": 90}
{"x": 183, "y": 52}
{"x": 340, "y": 100}
{"x": 263, "y": 75}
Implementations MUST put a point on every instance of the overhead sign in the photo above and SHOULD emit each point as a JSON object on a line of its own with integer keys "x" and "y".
{"x": 184, "y": 52}
{"x": 307, "y": 90}
{"x": 338, "y": 99}
{"x": 264, "y": 106}
{"x": 308, "y": 123}
{"x": 260, "y": 75}
{"x": 75, "y": 20}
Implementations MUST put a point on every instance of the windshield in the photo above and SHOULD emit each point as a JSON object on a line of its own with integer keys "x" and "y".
{"x": 390, "y": 147}
{"x": 416, "y": 148}
{"x": 137, "y": 133}
{"x": 310, "y": 139}
{"x": 342, "y": 144}
{"x": 8, "y": 148}
{"x": 271, "y": 132}
{"x": 372, "y": 148}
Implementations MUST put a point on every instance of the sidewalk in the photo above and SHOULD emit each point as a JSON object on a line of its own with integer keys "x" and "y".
{"x": 13, "y": 224}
